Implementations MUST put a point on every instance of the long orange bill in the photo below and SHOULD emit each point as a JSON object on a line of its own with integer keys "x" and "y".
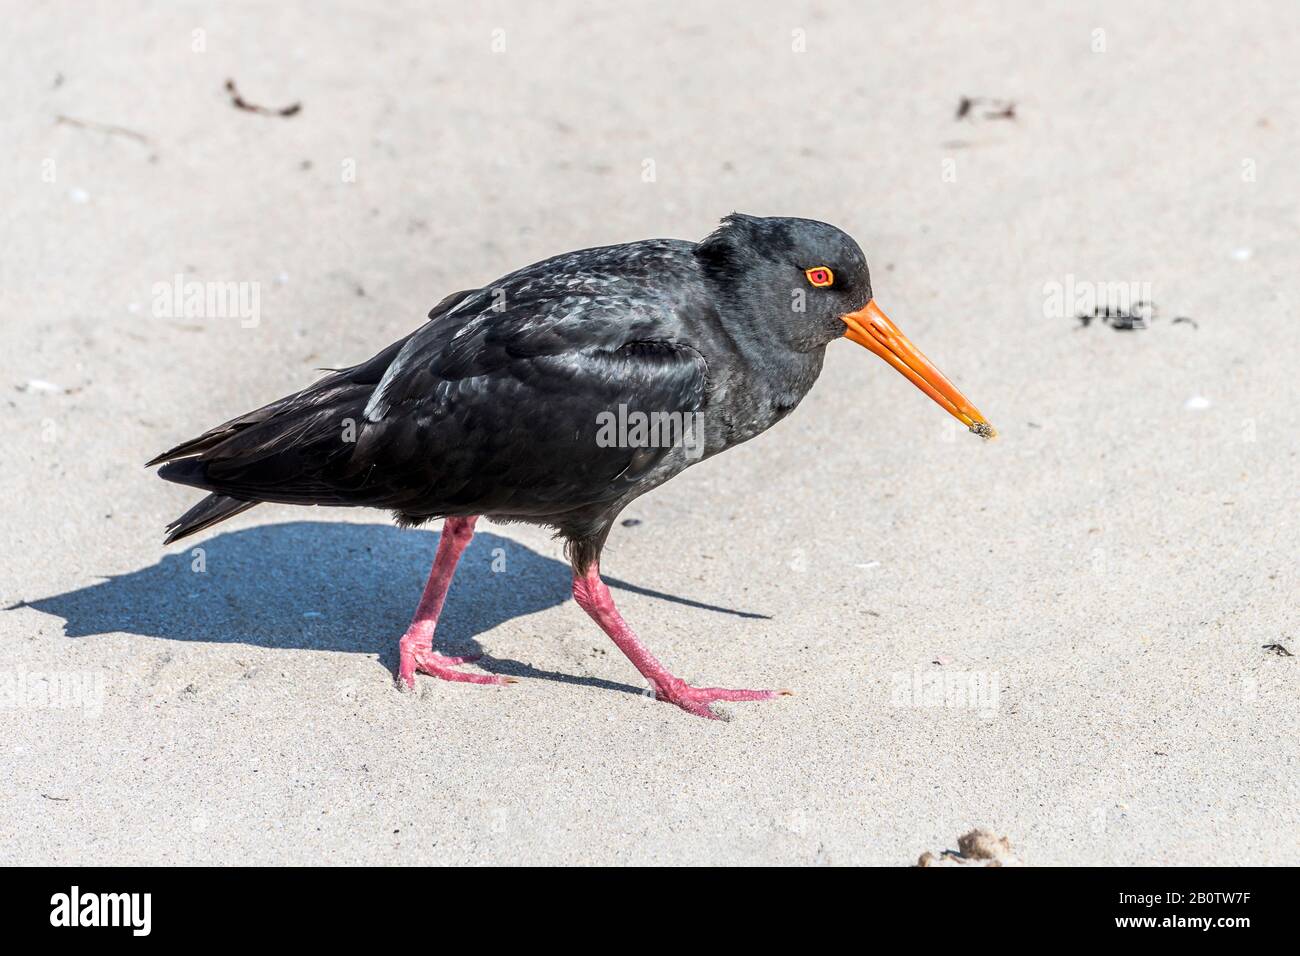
{"x": 871, "y": 329}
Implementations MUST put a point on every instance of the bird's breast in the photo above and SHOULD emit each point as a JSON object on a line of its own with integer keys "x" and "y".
{"x": 757, "y": 395}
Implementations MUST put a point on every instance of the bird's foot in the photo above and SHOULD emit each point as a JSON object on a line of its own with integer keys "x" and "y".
{"x": 696, "y": 700}
{"x": 418, "y": 657}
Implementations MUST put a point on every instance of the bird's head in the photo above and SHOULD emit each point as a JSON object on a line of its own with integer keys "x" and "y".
{"x": 810, "y": 281}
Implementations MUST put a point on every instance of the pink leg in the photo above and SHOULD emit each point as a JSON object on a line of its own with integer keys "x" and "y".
{"x": 416, "y": 647}
{"x": 590, "y": 592}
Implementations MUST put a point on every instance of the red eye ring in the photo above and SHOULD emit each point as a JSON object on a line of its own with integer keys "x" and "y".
{"x": 820, "y": 276}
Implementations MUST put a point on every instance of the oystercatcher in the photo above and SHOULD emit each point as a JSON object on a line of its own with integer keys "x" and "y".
{"x": 558, "y": 394}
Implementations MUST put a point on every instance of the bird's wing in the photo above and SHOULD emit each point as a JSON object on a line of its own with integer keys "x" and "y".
{"x": 328, "y": 391}
{"x": 500, "y": 404}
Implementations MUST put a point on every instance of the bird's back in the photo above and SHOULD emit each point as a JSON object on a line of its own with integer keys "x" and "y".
{"x": 493, "y": 406}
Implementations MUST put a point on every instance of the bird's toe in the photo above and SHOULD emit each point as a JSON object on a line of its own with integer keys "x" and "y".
{"x": 433, "y": 664}
{"x": 696, "y": 700}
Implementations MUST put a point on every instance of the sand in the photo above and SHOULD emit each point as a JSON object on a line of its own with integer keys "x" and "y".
{"x": 1058, "y": 636}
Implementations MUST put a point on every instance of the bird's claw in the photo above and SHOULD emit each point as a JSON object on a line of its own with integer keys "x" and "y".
{"x": 696, "y": 700}
{"x": 425, "y": 660}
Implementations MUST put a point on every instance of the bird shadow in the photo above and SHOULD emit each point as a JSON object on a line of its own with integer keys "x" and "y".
{"x": 330, "y": 586}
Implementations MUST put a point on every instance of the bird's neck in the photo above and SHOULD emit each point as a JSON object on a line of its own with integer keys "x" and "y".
{"x": 756, "y": 391}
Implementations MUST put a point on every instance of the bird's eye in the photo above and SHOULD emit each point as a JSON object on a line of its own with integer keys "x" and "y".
{"x": 820, "y": 276}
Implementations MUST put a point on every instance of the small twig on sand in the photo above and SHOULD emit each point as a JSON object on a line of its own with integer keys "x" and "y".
{"x": 242, "y": 104}
{"x": 993, "y": 109}
{"x": 102, "y": 128}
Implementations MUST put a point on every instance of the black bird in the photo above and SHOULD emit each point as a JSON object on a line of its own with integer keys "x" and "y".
{"x": 557, "y": 395}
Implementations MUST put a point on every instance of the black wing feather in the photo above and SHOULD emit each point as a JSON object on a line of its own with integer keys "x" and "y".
{"x": 491, "y": 407}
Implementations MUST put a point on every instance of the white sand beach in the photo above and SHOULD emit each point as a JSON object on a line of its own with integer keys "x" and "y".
{"x": 1069, "y": 636}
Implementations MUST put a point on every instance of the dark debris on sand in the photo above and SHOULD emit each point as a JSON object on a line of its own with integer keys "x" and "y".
{"x": 242, "y": 104}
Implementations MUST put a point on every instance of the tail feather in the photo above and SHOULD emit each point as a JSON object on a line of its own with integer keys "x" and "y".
{"x": 274, "y": 453}
{"x": 215, "y": 436}
{"x": 192, "y": 447}
{"x": 211, "y": 510}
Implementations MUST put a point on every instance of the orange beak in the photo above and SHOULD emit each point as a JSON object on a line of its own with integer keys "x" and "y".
{"x": 871, "y": 329}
